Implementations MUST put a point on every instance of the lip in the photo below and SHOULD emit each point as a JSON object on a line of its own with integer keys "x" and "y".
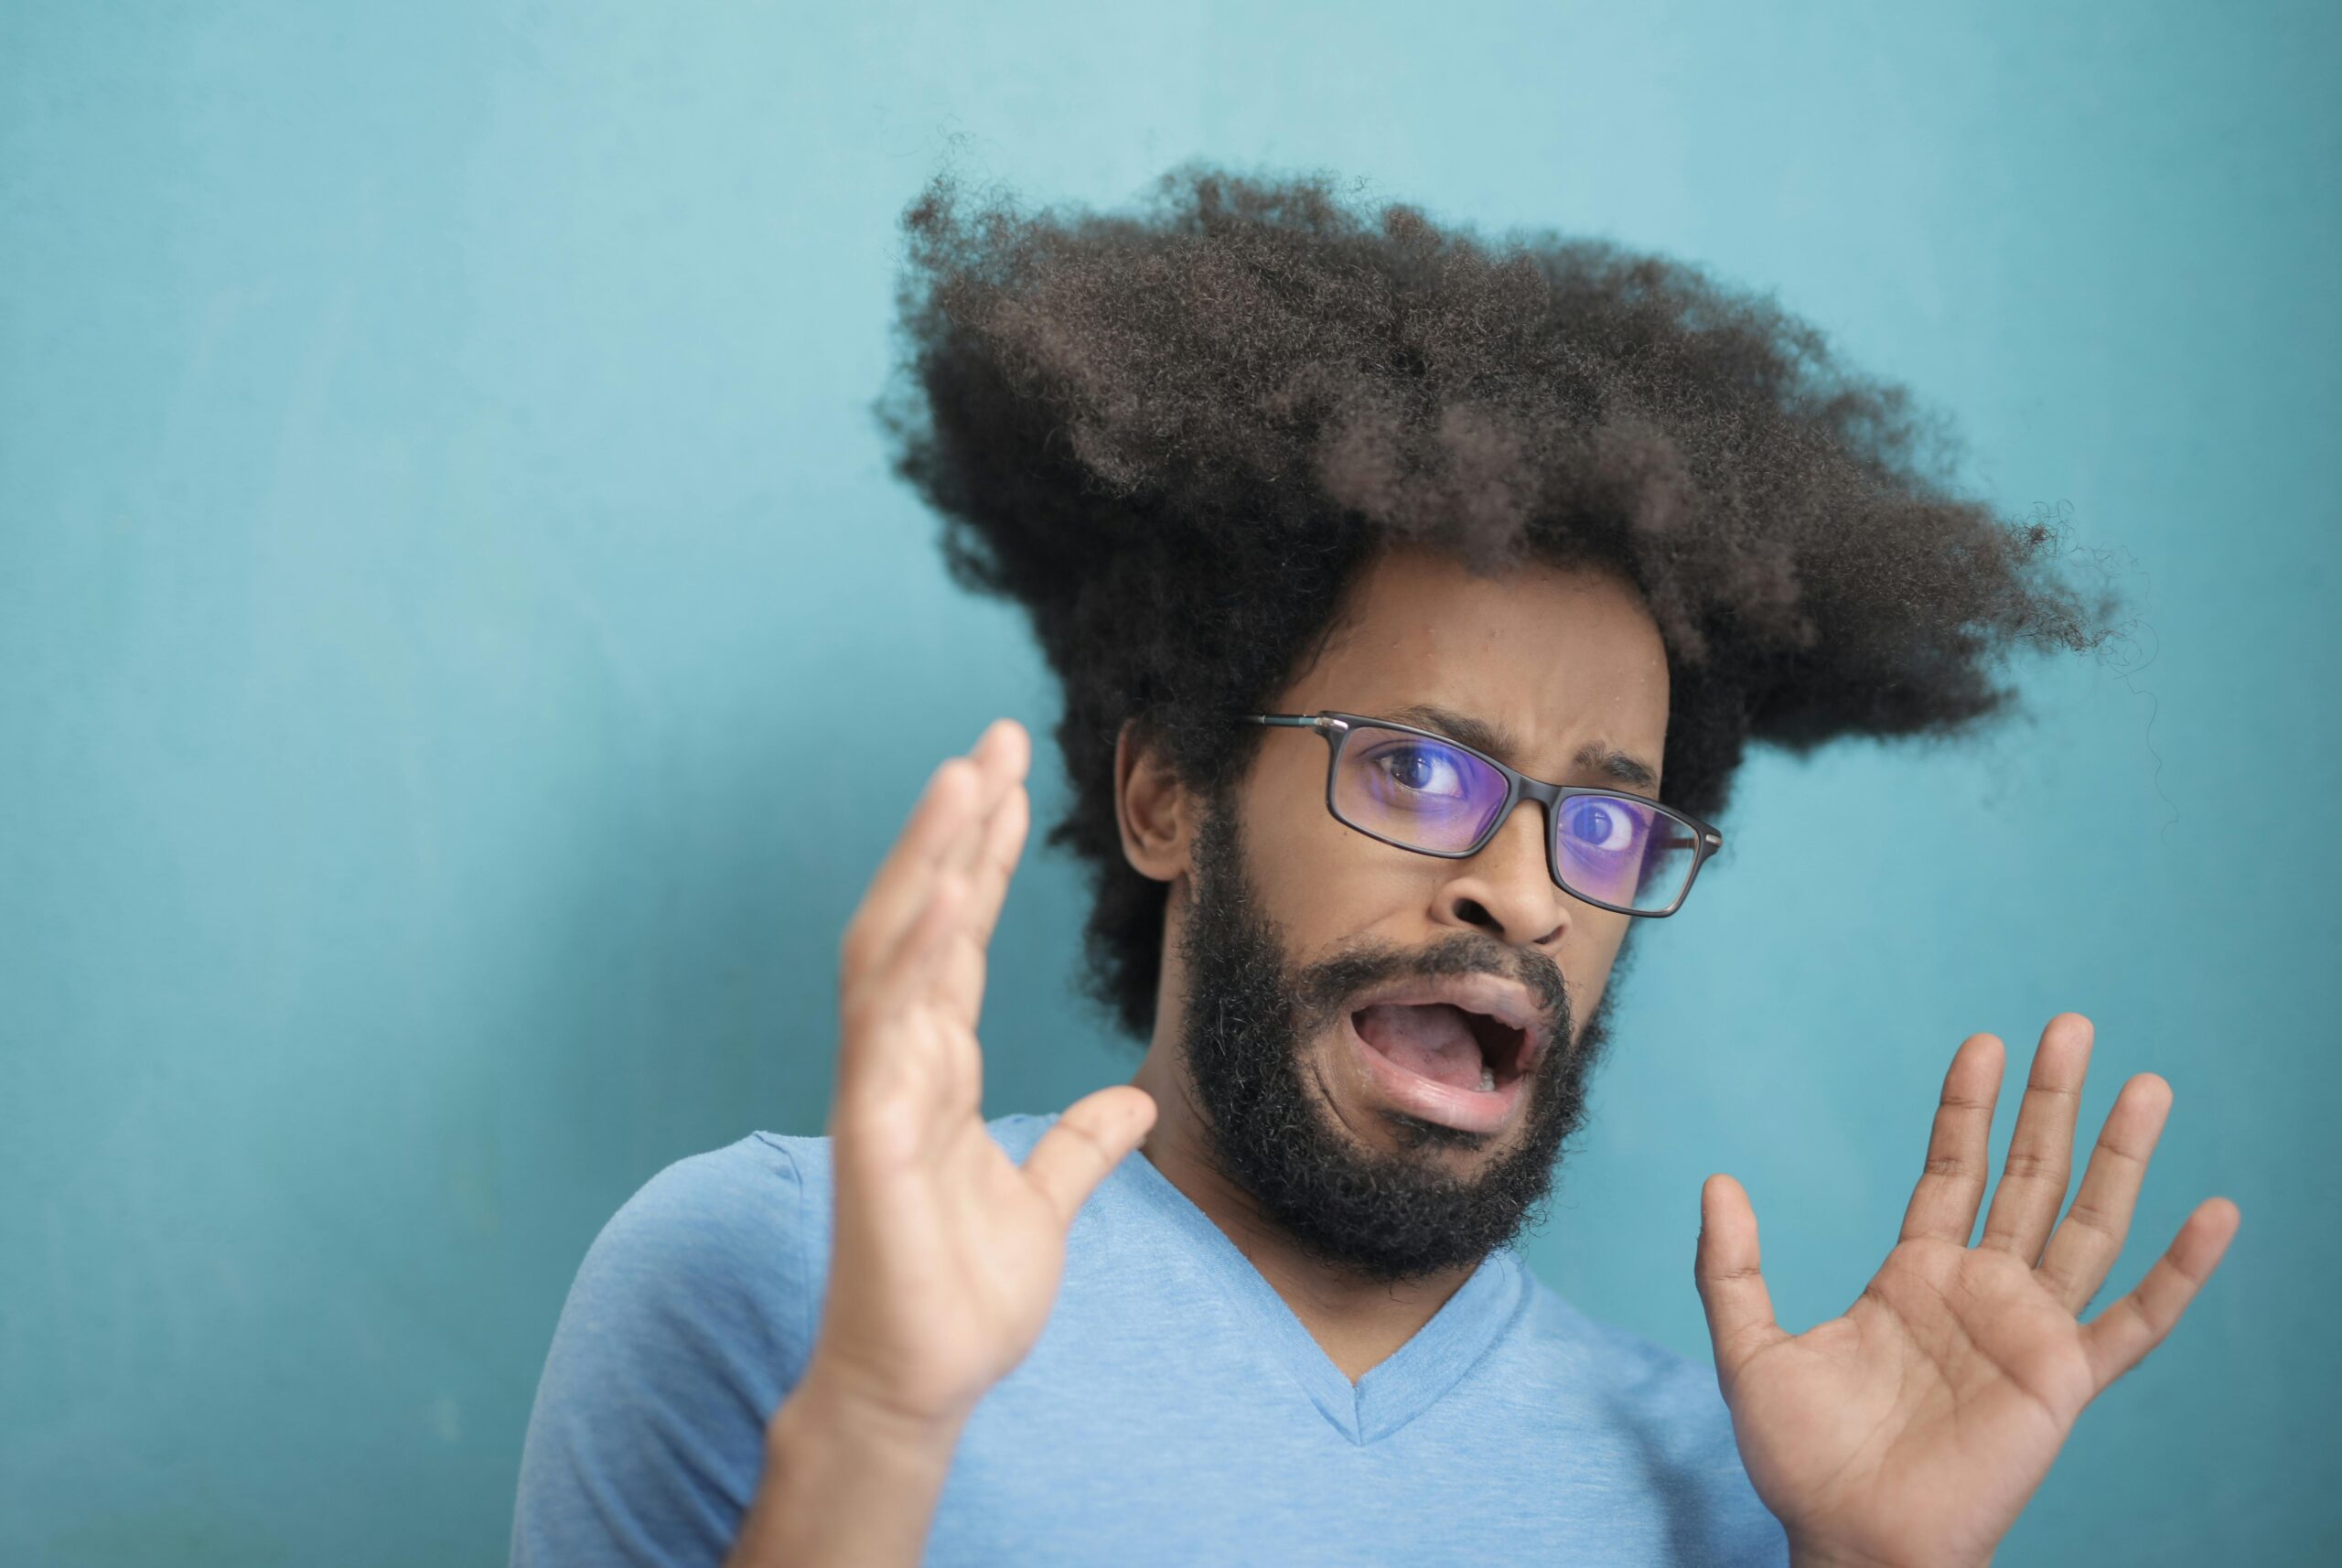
{"x": 1467, "y": 1110}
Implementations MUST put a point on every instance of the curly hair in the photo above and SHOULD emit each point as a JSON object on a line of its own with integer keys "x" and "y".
{"x": 1173, "y": 436}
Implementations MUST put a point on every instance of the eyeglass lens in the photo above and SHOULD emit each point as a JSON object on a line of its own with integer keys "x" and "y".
{"x": 1426, "y": 794}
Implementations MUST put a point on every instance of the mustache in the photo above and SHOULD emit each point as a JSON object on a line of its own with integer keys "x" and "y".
{"x": 1321, "y": 989}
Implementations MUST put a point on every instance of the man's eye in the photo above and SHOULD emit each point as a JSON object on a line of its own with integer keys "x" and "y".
{"x": 1423, "y": 771}
{"x": 1603, "y": 825}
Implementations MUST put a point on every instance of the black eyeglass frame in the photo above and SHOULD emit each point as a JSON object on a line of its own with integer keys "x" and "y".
{"x": 1339, "y": 727}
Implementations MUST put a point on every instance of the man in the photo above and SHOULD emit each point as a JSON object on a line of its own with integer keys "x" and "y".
{"x": 1415, "y": 599}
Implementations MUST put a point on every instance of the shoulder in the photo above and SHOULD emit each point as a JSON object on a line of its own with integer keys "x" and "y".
{"x": 1628, "y": 1366}
{"x": 809, "y": 1158}
{"x": 733, "y": 1240}
{"x": 716, "y": 1247}
{"x": 739, "y": 1185}
{"x": 750, "y": 1205}
{"x": 687, "y": 1323}
{"x": 709, "y": 1213}
{"x": 1661, "y": 1414}
{"x": 690, "y": 1320}
{"x": 1628, "y": 1379}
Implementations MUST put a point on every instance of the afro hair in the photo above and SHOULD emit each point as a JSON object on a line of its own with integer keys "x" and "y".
{"x": 1173, "y": 436}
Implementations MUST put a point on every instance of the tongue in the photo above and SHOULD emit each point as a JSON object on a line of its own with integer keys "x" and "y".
{"x": 1432, "y": 1040}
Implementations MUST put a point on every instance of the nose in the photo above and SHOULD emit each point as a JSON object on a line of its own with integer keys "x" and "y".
{"x": 1506, "y": 889}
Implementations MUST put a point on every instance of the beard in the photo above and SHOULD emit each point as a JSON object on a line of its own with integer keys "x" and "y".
{"x": 1388, "y": 1217}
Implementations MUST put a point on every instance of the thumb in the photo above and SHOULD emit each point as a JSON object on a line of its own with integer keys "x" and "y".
{"x": 1090, "y": 1139}
{"x": 1732, "y": 1287}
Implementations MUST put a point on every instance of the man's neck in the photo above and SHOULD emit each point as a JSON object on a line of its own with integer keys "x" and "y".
{"x": 1356, "y": 1321}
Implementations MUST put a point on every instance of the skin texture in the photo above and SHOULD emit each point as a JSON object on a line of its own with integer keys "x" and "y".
{"x": 946, "y": 1254}
{"x": 1556, "y": 659}
{"x": 1913, "y": 1429}
{"x": 1258, "y": 1028}
{"x": 1909, "y": 1431}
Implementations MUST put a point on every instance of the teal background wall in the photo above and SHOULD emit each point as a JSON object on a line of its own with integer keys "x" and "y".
{"x": 446, "y": 560}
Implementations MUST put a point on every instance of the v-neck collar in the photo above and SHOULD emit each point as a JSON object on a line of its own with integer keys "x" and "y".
{"x": 1395, "y": 1390}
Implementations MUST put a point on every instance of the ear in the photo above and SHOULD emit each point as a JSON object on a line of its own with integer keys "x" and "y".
{"x": 1152, "y": 807}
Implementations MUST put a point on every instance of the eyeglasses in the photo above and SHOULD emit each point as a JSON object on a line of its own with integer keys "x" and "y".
{"x": 1416, "y": 790}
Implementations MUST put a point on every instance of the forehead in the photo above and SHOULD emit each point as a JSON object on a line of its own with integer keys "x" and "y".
{"x": 1553, "y": 656}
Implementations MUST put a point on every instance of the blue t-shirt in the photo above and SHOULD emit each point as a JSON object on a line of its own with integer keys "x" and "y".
{"x": 1173, "y": 1411}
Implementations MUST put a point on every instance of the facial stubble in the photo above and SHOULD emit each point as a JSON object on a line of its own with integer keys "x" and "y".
{"x": 1387, "y": 1217}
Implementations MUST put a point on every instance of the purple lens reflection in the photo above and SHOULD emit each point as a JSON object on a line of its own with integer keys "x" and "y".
{"x": 1429, "y": 794}
{"x": 1415, "y": 790}
{"x": 1622, "y": 850}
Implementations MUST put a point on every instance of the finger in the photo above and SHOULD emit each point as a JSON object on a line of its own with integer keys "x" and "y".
{"x": 1732, "y": 1286}
{"x": 874, "y": 1058}
{"x": 905, "y": 880}
{"x": 1088, "y": 1141}
{"x": 2089, "y": 1239}
{"x": 1960, "y": 1147}
{"x": 2119, "y": 1338}
{"x": 956, "y": 981}
{"x": 1000, "y": 755}
{"x": 962, "y": 981}
{"x": 994, "y": 865}
{"x": 2040, "y": 1161}
{"x": 947, "y": 969}
{"x": 943, "y": 832}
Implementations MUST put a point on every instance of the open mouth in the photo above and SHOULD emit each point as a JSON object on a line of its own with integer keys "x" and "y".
{"x": 1444, "y": 1042}
{"x": 1442, "y": 1061}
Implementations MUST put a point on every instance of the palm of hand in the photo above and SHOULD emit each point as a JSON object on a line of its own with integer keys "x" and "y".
{"x": 1914, "y": 1429}
{"x": 971, "y": 1258}
{"x": 947, "y": 1254}
{"x": 1955, "y": 1363}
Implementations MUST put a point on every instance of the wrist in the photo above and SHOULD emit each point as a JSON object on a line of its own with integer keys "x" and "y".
{"x": 846, "y": 1480}
{"x": 827, "y": 1411}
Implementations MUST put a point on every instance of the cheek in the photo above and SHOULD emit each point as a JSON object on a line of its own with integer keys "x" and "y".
{"x": 1288, "y": 833}
{"x": 1603, "y": 933}
{"x": 1322, "y": 883}
{"x": 1588, "y": 954}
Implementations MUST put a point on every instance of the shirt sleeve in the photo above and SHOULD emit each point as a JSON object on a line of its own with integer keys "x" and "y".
{"x": 689, "y": 1321}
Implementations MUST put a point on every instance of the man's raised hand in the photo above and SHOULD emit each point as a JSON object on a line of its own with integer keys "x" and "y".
{"x": 1912, "y": 1431}
{"x": 947, "y": 1254}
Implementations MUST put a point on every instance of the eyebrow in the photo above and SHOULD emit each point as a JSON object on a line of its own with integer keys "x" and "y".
{"x": 1497, "y": 742}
